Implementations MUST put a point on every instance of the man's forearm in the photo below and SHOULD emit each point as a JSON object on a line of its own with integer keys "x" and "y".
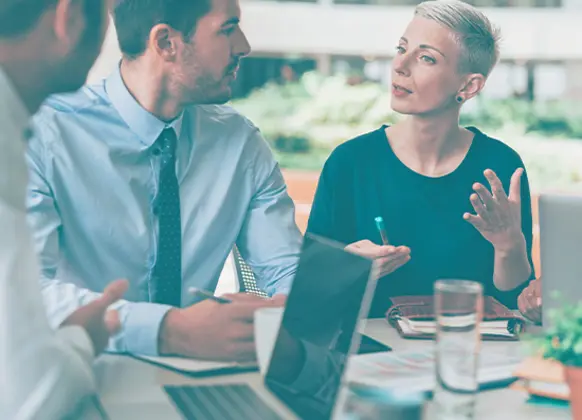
{"x": 512, "y": 267}
{"x": 140, "y": 321}
{"x": 168, "y": 336}
{"x": 62, "y": 373}
{"x": 62, "y": 299}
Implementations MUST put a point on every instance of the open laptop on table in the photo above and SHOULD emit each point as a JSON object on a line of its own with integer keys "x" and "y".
{"x": 560, "y": 251}
{"x": 331, "y": 294}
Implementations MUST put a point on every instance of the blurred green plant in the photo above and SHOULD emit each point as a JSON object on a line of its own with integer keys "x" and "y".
{"x": 328, "y": 110}
{"x": 563, "y": 341}
{"x": 549, "y": 119}
{"x": 292, "y": 144}
{"x": 305, "y": 120}
{"x": 324, "y": 110}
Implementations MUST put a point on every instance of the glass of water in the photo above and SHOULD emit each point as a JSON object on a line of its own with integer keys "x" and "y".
{"x": 458, "y": 311}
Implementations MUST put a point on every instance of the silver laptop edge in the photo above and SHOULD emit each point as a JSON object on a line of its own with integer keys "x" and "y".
{"x": 560, "y": 251}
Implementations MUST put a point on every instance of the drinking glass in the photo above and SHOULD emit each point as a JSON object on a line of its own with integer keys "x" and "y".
{"x": 458, "y": 311}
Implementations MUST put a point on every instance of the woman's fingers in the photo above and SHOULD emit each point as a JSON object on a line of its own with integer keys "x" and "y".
{"x": 394, "y": 264}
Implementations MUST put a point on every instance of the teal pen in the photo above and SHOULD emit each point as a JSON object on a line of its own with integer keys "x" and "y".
{"x": 382, "y": 229}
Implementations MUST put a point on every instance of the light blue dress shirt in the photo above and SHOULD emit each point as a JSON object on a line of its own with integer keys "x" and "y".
{"x": 94, "y": 172}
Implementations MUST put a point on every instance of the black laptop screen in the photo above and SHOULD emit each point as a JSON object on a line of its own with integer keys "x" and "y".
{"x": 322, "y": 313}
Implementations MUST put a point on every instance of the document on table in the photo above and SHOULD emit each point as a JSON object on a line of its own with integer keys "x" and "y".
{"x": 415, "y": 371}
{"x": 195, "y": 367}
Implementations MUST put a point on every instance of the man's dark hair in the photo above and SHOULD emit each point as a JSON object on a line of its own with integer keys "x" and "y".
{"x": 17, "y": 17}
{"x": 134, "y": 20}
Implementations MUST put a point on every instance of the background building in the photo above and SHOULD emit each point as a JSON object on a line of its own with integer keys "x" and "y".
{"x": 541, "y": 56}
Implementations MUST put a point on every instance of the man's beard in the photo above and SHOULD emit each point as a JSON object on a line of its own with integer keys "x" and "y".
{"x": 210, "y": 91}
{"x": 198, "y": 86}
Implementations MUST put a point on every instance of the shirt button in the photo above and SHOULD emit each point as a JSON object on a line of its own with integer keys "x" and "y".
{"x": 157, "y": 151}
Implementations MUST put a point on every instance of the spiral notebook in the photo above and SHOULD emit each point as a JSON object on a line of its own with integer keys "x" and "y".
{"x": 414, "y": 317}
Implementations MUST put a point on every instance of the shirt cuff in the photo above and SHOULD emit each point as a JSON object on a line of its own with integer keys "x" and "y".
{"x": 79, "y": 340}
{"x": 142, "y": 327}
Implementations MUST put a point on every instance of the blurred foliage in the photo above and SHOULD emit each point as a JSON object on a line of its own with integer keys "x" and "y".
{"x": 323, "y": 110}
{"x": 563, "y": 340}
{"x": 549, "y": 119}
{"x": 305, "y": 120}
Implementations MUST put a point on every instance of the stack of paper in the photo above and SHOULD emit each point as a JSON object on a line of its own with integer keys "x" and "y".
{"x": 415, "y": 371}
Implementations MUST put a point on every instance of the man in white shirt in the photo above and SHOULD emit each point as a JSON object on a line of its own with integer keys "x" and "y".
{"x": 45, "y": 47}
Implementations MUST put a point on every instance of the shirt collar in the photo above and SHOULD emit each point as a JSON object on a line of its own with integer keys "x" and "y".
{"x": 18, "y": 112}
{"x": 144, "y": 124}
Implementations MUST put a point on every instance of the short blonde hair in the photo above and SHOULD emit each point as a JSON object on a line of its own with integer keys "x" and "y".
{"x": 477, "y": 37}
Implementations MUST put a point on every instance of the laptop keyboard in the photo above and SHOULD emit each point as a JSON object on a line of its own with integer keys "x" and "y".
{"x": 220, "y": 402}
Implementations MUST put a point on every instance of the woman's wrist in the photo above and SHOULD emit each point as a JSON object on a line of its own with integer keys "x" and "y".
{"x": 513, "y": 246}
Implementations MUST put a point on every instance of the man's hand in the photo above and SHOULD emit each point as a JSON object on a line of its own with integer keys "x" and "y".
{"x": 388, "y": 257}
{"x": 99, "y": 322}
{"x": 530, "y": 301}
{"x": 212, "y": 330}
{"x": 279, "y": 300}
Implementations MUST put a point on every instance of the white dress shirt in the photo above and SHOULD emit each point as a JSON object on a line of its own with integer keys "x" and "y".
{"x": 43, "y": 373}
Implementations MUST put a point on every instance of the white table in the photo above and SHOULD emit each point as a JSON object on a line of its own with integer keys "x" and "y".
{"x": 130, "y": 389}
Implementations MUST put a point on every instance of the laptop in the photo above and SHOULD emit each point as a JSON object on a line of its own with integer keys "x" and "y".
{"x": 331, "y": 294}
{"x": 560, "y": 251}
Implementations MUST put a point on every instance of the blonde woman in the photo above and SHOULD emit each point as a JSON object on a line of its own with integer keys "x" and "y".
{"x": 455, "y": 202}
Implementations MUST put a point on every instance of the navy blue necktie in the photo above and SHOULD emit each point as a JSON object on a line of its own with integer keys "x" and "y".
{"x": 166, "y": 284}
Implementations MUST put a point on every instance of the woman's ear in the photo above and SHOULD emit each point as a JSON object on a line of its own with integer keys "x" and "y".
{"x": 473, "y": 84}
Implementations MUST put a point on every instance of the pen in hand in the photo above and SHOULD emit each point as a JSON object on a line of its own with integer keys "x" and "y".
{"x": 382, "y": 229}
{"x": 207, "y": 295}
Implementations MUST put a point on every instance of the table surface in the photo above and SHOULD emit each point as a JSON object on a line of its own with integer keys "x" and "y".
{"x": 130, "y": 389}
